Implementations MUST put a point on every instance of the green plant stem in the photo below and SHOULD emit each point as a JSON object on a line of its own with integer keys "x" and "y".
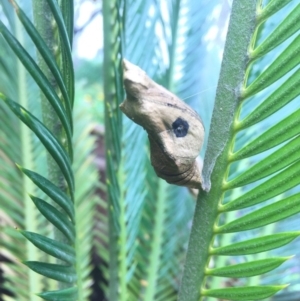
{"x": 241, "y": 27}
{"x": 26, "y": 136}
{"x": 42, "y": 15}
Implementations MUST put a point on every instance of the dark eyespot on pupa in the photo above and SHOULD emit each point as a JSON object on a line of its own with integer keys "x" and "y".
{"x": 180, "y": 127}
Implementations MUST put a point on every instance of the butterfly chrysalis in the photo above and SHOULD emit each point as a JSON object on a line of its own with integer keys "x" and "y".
{"x": 175, "y": 130}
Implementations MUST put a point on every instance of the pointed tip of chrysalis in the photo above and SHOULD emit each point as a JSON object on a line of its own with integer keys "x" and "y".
{"x": 121, "y": 105}
{"x": 132, "y": 72}
{"x": 126, "y": 64}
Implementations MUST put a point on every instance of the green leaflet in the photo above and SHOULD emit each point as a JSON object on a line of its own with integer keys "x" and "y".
{"x": 243, "y": 293}
{"x": 47, "y": 56}
{"x": 67, "y": 9}
{"x": 264, "y": 216}
{"x": 57, "y": 272}
{"x": 52, "y": 247}
{"x": 56, "y": 194}
{"x": 51, "y": 144}
{"x": 280, "y": 132}
{"x": 58, "y": 219}
{"x": 284, "y": 63}
{"x": 247, "y": 269}
{"x": 279, "y": 98}
{"x": 272, "y": 7}
{"x": 67, "y": 62}
{"x": 287, "y": 28}
{"x": 281, "y": 182}
{"x": 68, "y": 294}
{"x": 281, "y": 158}
{"x": 256, "y": 245}
{"x": 41, "y": 81}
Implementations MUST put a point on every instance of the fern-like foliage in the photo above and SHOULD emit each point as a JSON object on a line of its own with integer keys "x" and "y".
{"x": 248, "y": 170}
{"x": 63, "y": 251}
{"x": 17, "y": 209}
{"x": 57, "y": 140}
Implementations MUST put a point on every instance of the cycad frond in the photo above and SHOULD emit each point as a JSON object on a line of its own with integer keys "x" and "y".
{"x": 63, "y": 249}
{"x": 16, "y": 145}
{"x": 246, "y": 173}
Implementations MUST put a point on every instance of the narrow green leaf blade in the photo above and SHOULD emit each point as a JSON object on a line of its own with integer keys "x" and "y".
{"x": 58, "y": 219}
{"x": 284, "y": 63}
{"x": 281, "y": 158}
{"x": 67, "y": 9}
{"x": 256, "y": 245}
{"x": 286, "y": 129}
{"x": 264, "y": 216}
{"x": 49, "y": 141}
{"x": 287, "y": 28}
{"x": 279, "y": 98}
{"x": 270, "y": 9}
{"x": 57, "y": 272}
{"x": 68, "y": 294}
{"x": 52, "y": 247}
{"x": 68, "y": 70}
{"x": 281, "y": 182}
{"x": 247, "y": 269}
{"x": 243, "y": 293}
{"x": 40, "y": 79}
{"x": 47, "y": 56}
{"x": 56, "y": 194}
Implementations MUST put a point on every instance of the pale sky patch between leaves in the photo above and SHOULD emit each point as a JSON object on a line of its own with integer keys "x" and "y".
{"x": 90, "y": 41}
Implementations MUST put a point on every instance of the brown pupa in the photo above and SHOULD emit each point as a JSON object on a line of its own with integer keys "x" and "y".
{"x": 175, "y": 131}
